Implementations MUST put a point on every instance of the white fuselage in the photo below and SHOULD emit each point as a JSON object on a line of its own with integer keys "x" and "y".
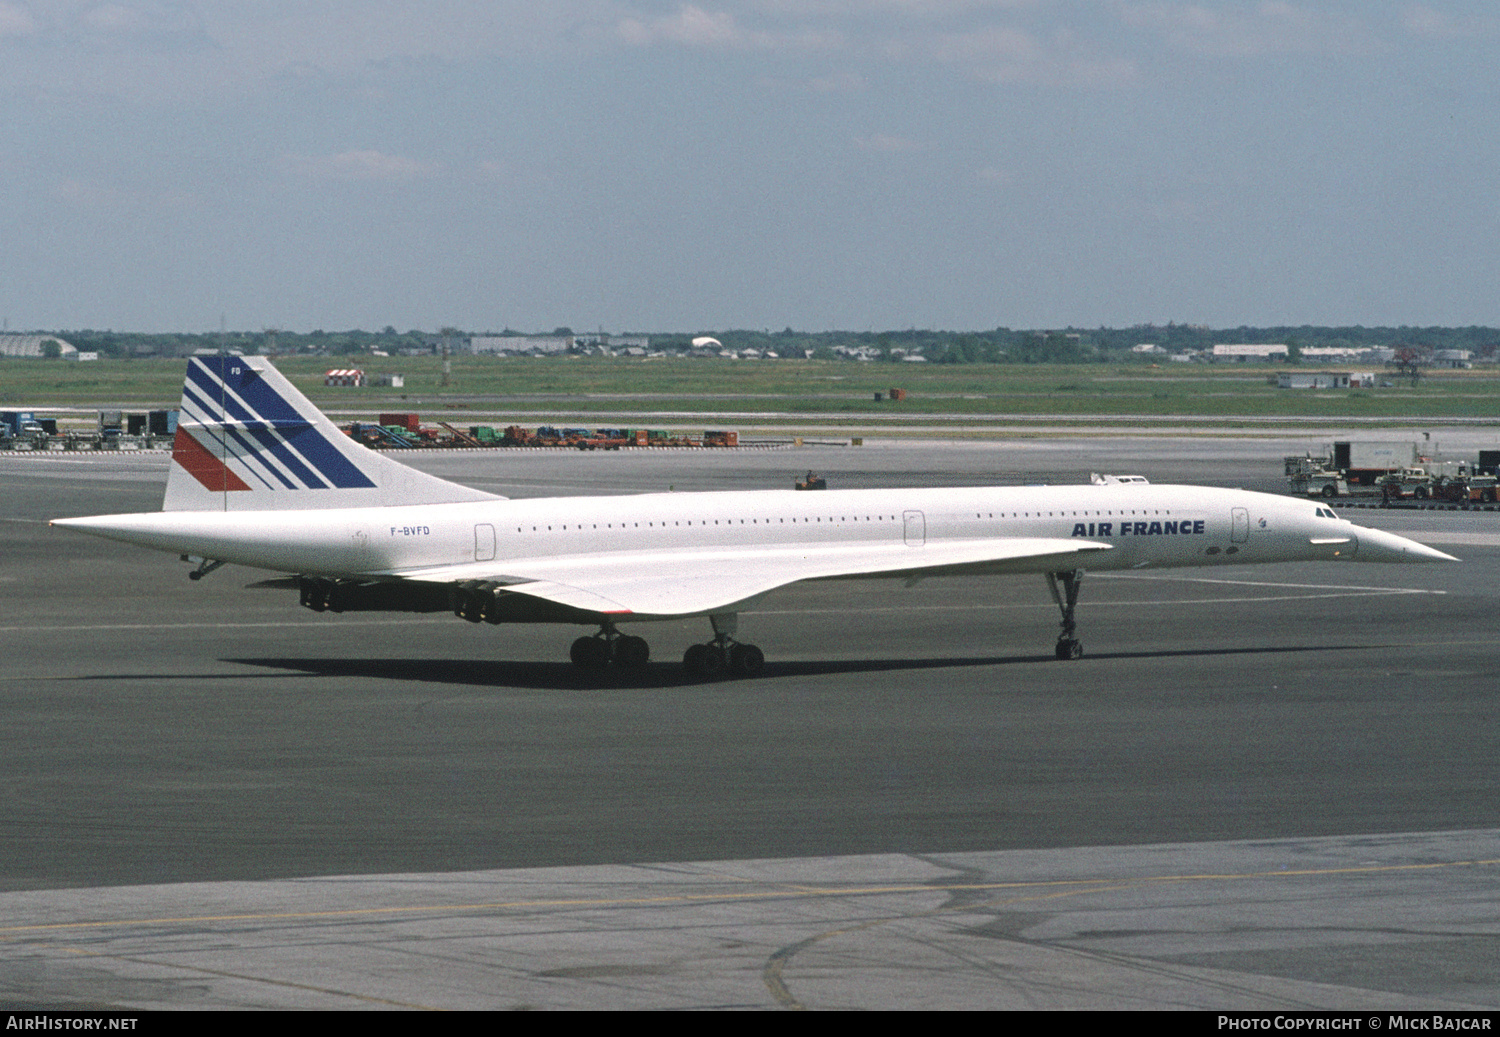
{"x": 1143, "y": 525}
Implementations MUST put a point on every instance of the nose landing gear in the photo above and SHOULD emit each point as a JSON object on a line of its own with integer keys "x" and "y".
{"x": 1068, "y": 646}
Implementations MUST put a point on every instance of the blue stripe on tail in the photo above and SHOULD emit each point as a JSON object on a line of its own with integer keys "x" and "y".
{"x": 246, "y": 399}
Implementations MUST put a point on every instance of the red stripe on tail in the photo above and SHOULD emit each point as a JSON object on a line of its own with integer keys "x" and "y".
{"x": 204, "y": 466}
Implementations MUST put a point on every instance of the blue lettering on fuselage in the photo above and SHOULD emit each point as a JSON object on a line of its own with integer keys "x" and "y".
{"x": 1191, "y": 527}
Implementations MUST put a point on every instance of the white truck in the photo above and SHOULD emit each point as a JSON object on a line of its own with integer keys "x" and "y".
{"x": 1363, "y": 463}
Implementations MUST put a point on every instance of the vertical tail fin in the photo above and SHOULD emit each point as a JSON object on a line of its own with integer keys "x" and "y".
{"x": 247, "y": 440}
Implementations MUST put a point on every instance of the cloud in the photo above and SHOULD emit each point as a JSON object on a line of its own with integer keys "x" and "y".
{"x": 912, "y": 8}
{"x": 106, "y": 198}
{"x": 117, "y": 19}
{"x": 887, "y": 144}
{"x": 72, "y": 22}
{"x": 1420, "y": 20}
{"x": 350, "y": 166}
{"x": 16, "y": 20}
{"x": 1270, "y": 27}
{"x": 692, "y": 26}
{"x": 840, "y": 83}
{"x": 148, "y": 25}
{"x": 991, "y": 43}
{"x": 225, "y": 49}
{"x": 87, "y": 193}
{"x": 222, "y": 48}
{"x": 1006, "y": 54}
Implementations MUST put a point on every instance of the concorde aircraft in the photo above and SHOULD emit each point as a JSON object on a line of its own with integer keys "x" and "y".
{"x": 260, "y": 477}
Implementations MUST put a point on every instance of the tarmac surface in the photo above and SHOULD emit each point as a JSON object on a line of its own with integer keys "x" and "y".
{"x": 1262, "y": 786}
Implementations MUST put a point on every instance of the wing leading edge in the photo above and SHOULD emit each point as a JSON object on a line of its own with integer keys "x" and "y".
{"x": 663, "y": 584}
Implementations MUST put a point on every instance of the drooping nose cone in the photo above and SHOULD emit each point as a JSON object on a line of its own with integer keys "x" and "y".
{"x": 1376, "y": 545}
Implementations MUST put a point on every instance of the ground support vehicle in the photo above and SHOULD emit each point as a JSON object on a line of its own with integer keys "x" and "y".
{"x": 1408, "y": 483}
{"x": 1363, "y": 463}
{"x": 1484, "y": 488}
{"x": 1463, "y": 490}
{"x": 1319, "y": 482}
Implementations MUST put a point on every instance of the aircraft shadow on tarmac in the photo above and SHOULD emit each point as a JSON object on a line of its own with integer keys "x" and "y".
{"x": 565, "y": 676}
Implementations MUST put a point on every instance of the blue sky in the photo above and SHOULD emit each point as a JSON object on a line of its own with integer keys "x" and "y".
{"x": 820, "y": 164}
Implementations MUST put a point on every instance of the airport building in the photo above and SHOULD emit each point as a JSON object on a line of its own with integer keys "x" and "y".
{"x": 492, "y": 344}
{"x": 1325, "y": 380}
{"x": 31, "y": 345}
{"x": 1248, "y": 351}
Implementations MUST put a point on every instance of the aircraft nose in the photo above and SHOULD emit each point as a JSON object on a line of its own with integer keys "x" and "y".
{"x": 1376, "y": 545}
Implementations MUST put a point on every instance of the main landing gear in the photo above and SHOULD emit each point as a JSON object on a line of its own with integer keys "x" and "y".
{"x": 724, "y": 654}
{"x": 609, "y": 648}
{"x": 1068, "y": 646}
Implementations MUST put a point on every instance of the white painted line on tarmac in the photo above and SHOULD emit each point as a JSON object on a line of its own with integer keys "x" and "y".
{"x": 1364, "y": 592}
{"x": 1262, "y": 583}
{"x": 211, "y": 626}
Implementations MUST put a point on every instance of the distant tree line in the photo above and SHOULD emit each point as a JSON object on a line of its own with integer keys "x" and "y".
{"x": 1000, "y": 345}
{"x": 1090, "y": 345}
{"x": 171, "y": 344}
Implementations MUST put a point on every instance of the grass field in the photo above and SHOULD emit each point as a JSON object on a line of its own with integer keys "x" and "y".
{"x": 832, "y": 388}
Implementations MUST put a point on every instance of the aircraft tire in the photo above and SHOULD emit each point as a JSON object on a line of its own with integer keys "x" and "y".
{"x": 1070, "y": 649}
{"x": 471, "y": 606}
{"x": 632, "y": 653}
{"x": 746, "y": 660}
{"x": 577, "y": 652}
{"x": 590, "y": 653}
{"x": 703, "y": 660}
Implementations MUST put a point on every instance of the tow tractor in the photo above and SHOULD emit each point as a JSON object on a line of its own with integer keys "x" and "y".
{"x": 1461, "y": 489}
{"x": 1310, "y": 475}
{"x": 1413, "y": 483}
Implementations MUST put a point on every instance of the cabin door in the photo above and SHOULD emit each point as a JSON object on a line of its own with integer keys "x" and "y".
{"x": 1240, "y": 528}
{"x": 914, "y": 528}
{"x": 484, "y": 542}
